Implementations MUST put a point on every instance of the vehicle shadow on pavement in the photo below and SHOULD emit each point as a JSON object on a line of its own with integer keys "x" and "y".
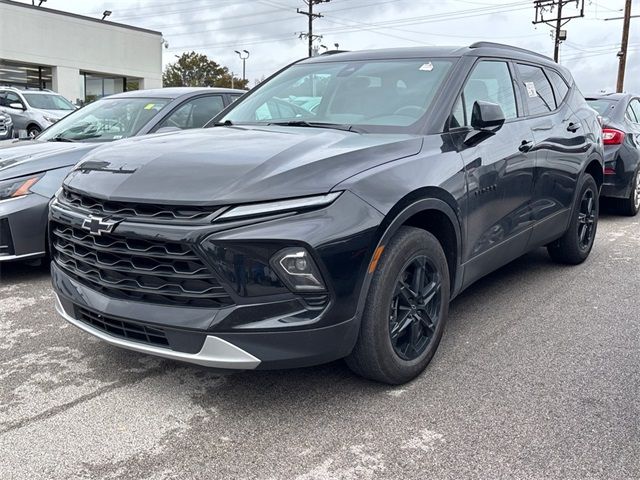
{"x": 13, "y": 272}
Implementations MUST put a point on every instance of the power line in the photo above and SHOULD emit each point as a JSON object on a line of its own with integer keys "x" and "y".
{"x": 548, "y": 6}
{"x": 311, "y": 16}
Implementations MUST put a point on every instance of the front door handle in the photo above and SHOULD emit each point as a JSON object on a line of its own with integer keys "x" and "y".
{"x": 525, "y": 146}
{"x": 574, "y": 127}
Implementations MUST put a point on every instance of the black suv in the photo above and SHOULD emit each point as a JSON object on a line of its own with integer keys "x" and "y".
{"x": 286, "y": 236}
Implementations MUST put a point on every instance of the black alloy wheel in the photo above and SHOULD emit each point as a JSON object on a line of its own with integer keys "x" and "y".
{"x": 577, "y": 241}
{"x": 406, "y": 309}
{"x": 415, "y": 308}
{"x": 587, "y": 218}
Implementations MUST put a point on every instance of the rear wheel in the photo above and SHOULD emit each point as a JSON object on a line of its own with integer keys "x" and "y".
{"x": 630, "y": 206}
{"x": 576, "y": 244}
{"x": 406, "y": 309}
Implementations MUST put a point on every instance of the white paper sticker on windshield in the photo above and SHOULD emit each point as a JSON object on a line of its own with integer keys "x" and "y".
{"x": 531, "y": 89}
{"x": 427, "y": 67}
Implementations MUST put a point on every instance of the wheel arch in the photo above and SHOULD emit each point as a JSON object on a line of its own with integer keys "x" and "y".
{"x": 431, "y": 209}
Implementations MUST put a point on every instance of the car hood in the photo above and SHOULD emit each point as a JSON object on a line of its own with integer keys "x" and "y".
{"x": 224, "y": 165}
{"x": 24, "y": 157}
{"x": 55, "y": 113}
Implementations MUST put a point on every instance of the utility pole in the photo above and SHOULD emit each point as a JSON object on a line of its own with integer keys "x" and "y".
{"x": 311, "y": 17}
{"x": 622, "y": 55}
{"x": 547, "y": 7}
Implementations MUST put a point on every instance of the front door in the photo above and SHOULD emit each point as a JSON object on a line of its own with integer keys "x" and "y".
{"x": 499, "y": 171}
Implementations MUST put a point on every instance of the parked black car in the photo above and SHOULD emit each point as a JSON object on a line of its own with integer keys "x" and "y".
{"x": 32, "y": 170}
{"x": 621, "y": 136}
{"x": 343, "y": 232}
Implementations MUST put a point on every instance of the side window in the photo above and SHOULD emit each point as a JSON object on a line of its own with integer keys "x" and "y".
{"x": 538, "y": 91}
{"x": 12, "y": 98}
{"x": 635, "y": 108}
{"x": 560, "y": 87}
{"x": 194, "y": 113}
{"x": 490, "y": 81}
{"x": 234, "y": 97}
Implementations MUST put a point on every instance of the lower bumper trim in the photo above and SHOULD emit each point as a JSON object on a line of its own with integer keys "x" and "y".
{"x": 215, "y": 352}
{"x": 26, "y": 256}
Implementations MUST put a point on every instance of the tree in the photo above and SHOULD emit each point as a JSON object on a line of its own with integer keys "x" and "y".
{"x": 197, "y": 70}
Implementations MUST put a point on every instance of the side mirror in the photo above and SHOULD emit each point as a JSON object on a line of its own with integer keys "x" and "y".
{"x": 17, "y": 106}
{"x": 487, "y": 116}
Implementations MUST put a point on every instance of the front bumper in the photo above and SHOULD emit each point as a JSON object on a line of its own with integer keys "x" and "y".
{"x": 23, "y": 222}
{"x": 267, "y": 326}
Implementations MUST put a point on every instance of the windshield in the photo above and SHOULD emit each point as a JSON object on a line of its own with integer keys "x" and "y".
{"x": 106, "y": 120}
{"x": 47, "y": 101}
{"x": 602, "y": 106}
{"x": 380, "y": 96}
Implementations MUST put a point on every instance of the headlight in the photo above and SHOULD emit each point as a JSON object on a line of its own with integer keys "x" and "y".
{"x": 279, "y": 206}
{"x": 18, "y": 187}
{"x": 50, "y": 119}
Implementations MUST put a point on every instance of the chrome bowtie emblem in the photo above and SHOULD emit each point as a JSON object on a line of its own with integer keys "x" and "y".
{"x": 97, "y": 225}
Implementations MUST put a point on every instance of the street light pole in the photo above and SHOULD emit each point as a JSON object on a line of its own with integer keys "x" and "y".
{"x": 243, "y": 56}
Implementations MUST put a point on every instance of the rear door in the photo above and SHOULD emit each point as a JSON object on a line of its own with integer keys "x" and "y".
{"x": 560, "y": 149}
{"x": 499, "y": 170}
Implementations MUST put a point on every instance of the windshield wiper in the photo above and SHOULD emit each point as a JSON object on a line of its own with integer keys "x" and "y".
{"x": 304, "y": 123}
{"x": 60, "y": 138}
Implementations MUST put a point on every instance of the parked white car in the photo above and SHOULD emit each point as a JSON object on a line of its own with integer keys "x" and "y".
{"x": 33, "y": 110}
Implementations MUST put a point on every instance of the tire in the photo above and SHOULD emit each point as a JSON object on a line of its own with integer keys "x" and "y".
{"x": 376, "y": 356}
{"x": 630, "y": 206}
{"x": 575, "y": 245}
{"x": 33, "y": 131}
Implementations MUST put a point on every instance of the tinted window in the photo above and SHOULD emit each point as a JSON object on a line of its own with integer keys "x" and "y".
{"x": 537, "y": 90}
{"x": 635, "y": 107}
{"x": 560, "y": 87}
{"x": 489, "y": 82}
{"x": 194, "y": 113}
{"x": 601, "y": 105}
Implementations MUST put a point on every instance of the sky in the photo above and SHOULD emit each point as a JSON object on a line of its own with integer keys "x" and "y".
{"x": 269, "y": 30}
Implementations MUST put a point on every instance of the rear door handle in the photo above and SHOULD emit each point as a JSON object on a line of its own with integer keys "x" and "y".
{"x": 574, "y": 127}
{"x": 525, "y": 146}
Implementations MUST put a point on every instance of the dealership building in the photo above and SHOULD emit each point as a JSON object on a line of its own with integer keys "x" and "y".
{"x": 80, "y": 57}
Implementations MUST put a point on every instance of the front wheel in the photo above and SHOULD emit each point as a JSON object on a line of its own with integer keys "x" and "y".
{"x": 576, "y": 244}
{"x": 406, "y": 309}
{"x": 33, "y": 131}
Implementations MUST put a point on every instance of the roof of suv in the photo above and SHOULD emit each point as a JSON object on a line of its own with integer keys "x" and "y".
{"x": 477, "y": 49}
{"x": 173, "y": 92}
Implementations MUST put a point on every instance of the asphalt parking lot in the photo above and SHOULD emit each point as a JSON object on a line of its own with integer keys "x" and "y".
{"x": 538, "y": 376}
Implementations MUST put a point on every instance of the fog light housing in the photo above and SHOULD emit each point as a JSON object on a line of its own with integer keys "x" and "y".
{"x": 297, "y": 270}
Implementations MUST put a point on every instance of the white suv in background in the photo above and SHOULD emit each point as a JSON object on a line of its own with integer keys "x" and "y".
{"x": 33, "y": 110}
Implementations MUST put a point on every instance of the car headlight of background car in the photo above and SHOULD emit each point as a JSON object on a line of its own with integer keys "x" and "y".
{"x": 50, "y": 119}
{"x": 18, "y": 187}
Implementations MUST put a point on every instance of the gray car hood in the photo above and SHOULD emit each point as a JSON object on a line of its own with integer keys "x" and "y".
{"x": 24, "y": 157}
{"x": 225, "y": 165}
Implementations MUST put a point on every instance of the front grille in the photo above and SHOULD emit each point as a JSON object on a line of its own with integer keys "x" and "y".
{"x": 123, "y": 329}
{"x": 106, "y": 208}
{"x": 134, "y": 269}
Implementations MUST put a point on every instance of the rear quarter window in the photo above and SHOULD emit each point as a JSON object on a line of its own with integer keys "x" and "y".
{"x": 560, "y": 87}
{"x": 538, "y": 92}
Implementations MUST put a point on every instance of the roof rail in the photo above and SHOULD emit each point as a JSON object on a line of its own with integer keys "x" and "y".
{"x": 508, "y": 47}
{"x": 333, "y": 52}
